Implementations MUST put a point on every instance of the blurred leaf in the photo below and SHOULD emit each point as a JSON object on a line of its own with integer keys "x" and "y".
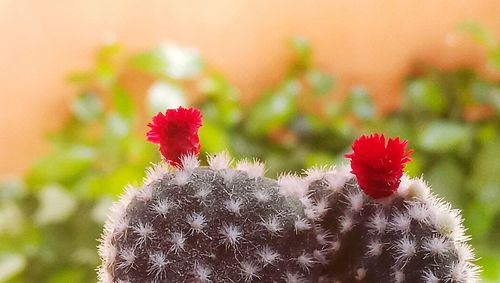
{"x": 274, "y": 110}
{"x": 318, "y": 158}
{"x": 11, "y": 218}
{"x": 87, "y": 107}
{"x": 108, "y": 51}
{"x": 163, "y": 95}
{"x": 101, "y": 209}
{"x": 444, "y": 136}
{"x": 490, "y": 264}
{"x": 302, "y": 49}
{"x": 213, "y": 138}
{"x": 216, "y": 86}
{"x": 56, "y": 205}
{"x": 73, "y": 275}
{"x": 11, "y": 265}
{"x": 61, "y": 165}
{"x": 226, "y": 113}
{"x": 494, "y": 58}
{"x": 487, "y": 133}
{"x": 340, "y": 126}
{"x": 12, "y": 189}
{"x": 121, "y": 176}
{"x": 106, "y": 67}
{"x": 106, "y": 74}
{"x": 446, "y": 179}
{"x": 110, "y": 184}
{"x": 424, "y": 95}
{"x": 321, "y": 83}
{"x": 494, "y": 98}
{"x": 360, "y": 103}
{"x": 117, "y": 126}
{"x": 394, "y": 127}
{"x": 243, "y": 146}
{"x": 180, "y": 62}
{"x": 123, "y": 103}
{"x": 150, "y": 61}
{"x": 80, "y": 77}
{"x": 478, "y": 220}
{"x": 485, "y": 180}
{"x": 478, "y": 33}
{"x": 308, "y": 125}
{"x": 486, "y": 165}
{"x": 481, "y": 90}
{"x": 415, "y": 167}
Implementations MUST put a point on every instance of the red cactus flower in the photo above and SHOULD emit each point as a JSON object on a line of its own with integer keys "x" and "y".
{"x": 377, "y": 165}
{"x": 176, "y": 132}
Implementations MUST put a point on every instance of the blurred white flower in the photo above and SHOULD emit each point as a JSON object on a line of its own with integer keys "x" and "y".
{"x": 162, "y": 95}
{"x": 10, "y": 265}
{"x": 181, "y": 62}
{"x": 56, "y": 205}
{"x": 101, "y": 209}
{"x": 11, "y": 219}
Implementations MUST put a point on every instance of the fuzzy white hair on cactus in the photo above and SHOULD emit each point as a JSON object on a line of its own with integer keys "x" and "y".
{"x": 155, "y": 172}
{"x": 261, "y": 195}
{"x": 360, "y": 274}
{"x": 202, "y": 273}
{"x": 178, "y": 241}
{"x": 400, "y": 222}
{"x": 233, "y": 205}
{"x": 267, "y": 255}
{"x": 301, "y": 224}
{"x": 430, "y": 277}
{"x": 254, "y": 168}
{"x": 272, "y": 225}
{"x": 436, "y": 246}
{"x": 292, "y": 185}
{"x": 305, "y": 261}
{"x": 219, "y": 161}
{"x": 196, "y": 222}
{"x": 231, "y": 235}
{"x": 249, "y": 271}
{"x": 162, "y": 207}
{"x": 378, "y": 222}
{"x": 189, "y": 161}
{"x": 375, "y": 248}
{"x": 337, "y": 177}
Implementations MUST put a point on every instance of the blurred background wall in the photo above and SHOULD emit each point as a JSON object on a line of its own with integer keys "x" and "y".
{"x": 372, "y": 43}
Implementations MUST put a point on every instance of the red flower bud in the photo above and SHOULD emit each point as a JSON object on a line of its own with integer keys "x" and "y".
{"x": 377, "y": 165}
{"x": 176, "y": 132}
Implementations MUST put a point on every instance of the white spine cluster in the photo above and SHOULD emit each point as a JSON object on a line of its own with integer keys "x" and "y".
{"x": 292, "y": 185}
{"x": 254, "y": 169}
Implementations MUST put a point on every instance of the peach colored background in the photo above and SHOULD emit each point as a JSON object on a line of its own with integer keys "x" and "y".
{"x": 374, "y": 43}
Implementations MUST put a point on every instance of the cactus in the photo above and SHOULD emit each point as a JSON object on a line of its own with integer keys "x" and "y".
{"x": 364, "y": 223}
{"x": 209, "y": 224}
{"x": 380, "y": 234}
{"x": 412, "y": 237}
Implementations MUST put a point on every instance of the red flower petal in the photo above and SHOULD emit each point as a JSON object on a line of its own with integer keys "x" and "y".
{"x": 176, "y": 132}
{"x": 377, "y": 165}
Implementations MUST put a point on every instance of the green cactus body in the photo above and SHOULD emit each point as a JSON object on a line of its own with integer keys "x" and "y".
{"x": 410, "y": 237}
{"x": 209, "y": 224}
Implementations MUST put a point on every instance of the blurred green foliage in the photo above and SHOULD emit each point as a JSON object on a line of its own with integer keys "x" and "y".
{"x": 50, "y": 220}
